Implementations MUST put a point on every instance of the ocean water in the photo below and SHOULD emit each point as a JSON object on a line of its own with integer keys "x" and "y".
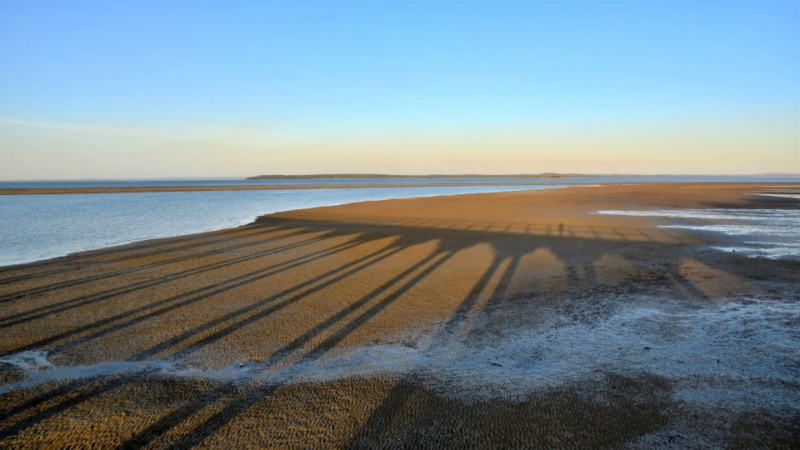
{"x": 37, "y": 227}
{"x": 241, "y": 182}
{"x": 766, "y": 233}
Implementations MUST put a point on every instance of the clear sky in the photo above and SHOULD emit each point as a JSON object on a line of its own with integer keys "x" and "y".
{"x": 116, "y": 89}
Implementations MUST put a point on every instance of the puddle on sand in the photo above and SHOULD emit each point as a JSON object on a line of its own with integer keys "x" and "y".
{"x": 765, "y": 233}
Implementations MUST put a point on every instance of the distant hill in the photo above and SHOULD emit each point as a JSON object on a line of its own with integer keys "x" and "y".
{"x": 778, "y": 175}
{"x": 524, "y": 176}
{"x": 376, "y": 176}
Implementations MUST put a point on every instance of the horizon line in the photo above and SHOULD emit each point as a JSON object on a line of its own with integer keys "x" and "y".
{"x": 324, "y": 176}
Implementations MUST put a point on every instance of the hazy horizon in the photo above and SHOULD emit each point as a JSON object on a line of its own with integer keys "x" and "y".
{"x": 411, "y": 176}
{"x": 138, "y": 90}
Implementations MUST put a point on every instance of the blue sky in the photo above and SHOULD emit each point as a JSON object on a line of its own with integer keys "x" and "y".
{"x": 312, "y": 70}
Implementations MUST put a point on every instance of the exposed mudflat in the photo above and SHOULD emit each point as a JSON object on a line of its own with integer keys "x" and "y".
{"x": 513, "y": 320}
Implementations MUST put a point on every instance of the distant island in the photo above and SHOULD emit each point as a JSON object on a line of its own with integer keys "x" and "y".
{"x": 524, "y": 176}
{"x": 375, "y": 176}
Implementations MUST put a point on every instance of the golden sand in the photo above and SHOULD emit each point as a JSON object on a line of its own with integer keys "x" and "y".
{"x": 293, "y": 289}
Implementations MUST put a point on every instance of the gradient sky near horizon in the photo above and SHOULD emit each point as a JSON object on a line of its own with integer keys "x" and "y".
{"x": 152, "y": 89}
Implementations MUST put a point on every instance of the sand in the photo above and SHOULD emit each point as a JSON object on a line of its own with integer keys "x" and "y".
{"x": 517, "y": 319}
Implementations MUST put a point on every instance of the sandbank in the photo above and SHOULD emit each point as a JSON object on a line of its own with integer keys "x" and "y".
{"x": 516, "y": 319}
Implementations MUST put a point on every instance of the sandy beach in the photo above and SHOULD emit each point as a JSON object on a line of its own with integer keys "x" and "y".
{"x": 502, "y": 320}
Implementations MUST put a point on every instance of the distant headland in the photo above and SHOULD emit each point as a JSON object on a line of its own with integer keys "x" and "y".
{"x": 377, "y": 176}
{"x": 523, "y": 176}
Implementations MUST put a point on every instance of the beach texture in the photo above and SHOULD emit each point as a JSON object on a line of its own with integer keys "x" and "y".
{"x": 503, "y": 320}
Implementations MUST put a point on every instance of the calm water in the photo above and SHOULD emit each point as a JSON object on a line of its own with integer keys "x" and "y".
{"x": 35, "y": 227}
{"x": 239, "y": 182}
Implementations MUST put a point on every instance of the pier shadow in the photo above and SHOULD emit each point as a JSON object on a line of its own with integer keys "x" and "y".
{"x": 323, "y": 255}
{"x": 143, "y": 267}
{"x": 130, "y": 252}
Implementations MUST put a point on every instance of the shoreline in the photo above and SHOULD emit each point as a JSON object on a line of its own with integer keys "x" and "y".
{"x": 137, "y": 189}
{"x": 123, "y": 190}
{"x": 399, "y": 322}
{"x": 252, "y": 219}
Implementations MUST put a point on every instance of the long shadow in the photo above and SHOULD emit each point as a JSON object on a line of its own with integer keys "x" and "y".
{"x": 645, "y": 235}
{"x": 377, "y": 426}
{"x": 460, "y": 314}
{"x": 123, "y": 248}
{"x": 685, "y": 287}
{"x": 501, "y": 290}
{"x": 620, "y": 235}
{"x": 114, "y": 292}
{"x": 193, "y": 438}
{"x": 171, "y": 420}
{"x": 242, "y": 404}
{"x": 591, "y": 275}
{"x": 353, "y": 266}
{"x": 154, "y": 243}
{"x": 381, "y": 419}
{"x": 184, "y": 412}
{"x": 206, "y": 242}
{"x": 362, "y": 318}
{"x": 214, "y": 423}
{"x": 288, "y": 349}
{"x": 66, "y": 404}
{"x": 176, "y": 417}
{"x": 105, "y": 276}
{"x": 24, "y": 424}
{"x": 42, "y": 398}
{"x": 189, "y": 298}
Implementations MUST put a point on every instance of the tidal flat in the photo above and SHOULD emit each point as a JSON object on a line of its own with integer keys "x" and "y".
{"x": 609, "y": 316}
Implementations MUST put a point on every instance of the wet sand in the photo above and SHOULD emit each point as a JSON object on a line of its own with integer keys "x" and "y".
{"x": 513, "y": 320}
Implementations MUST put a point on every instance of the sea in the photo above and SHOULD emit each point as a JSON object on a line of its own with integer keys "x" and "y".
{"x": 39, "y": 227}
{"x": 394, "y": 181}
{"x": 43, "y": 226}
